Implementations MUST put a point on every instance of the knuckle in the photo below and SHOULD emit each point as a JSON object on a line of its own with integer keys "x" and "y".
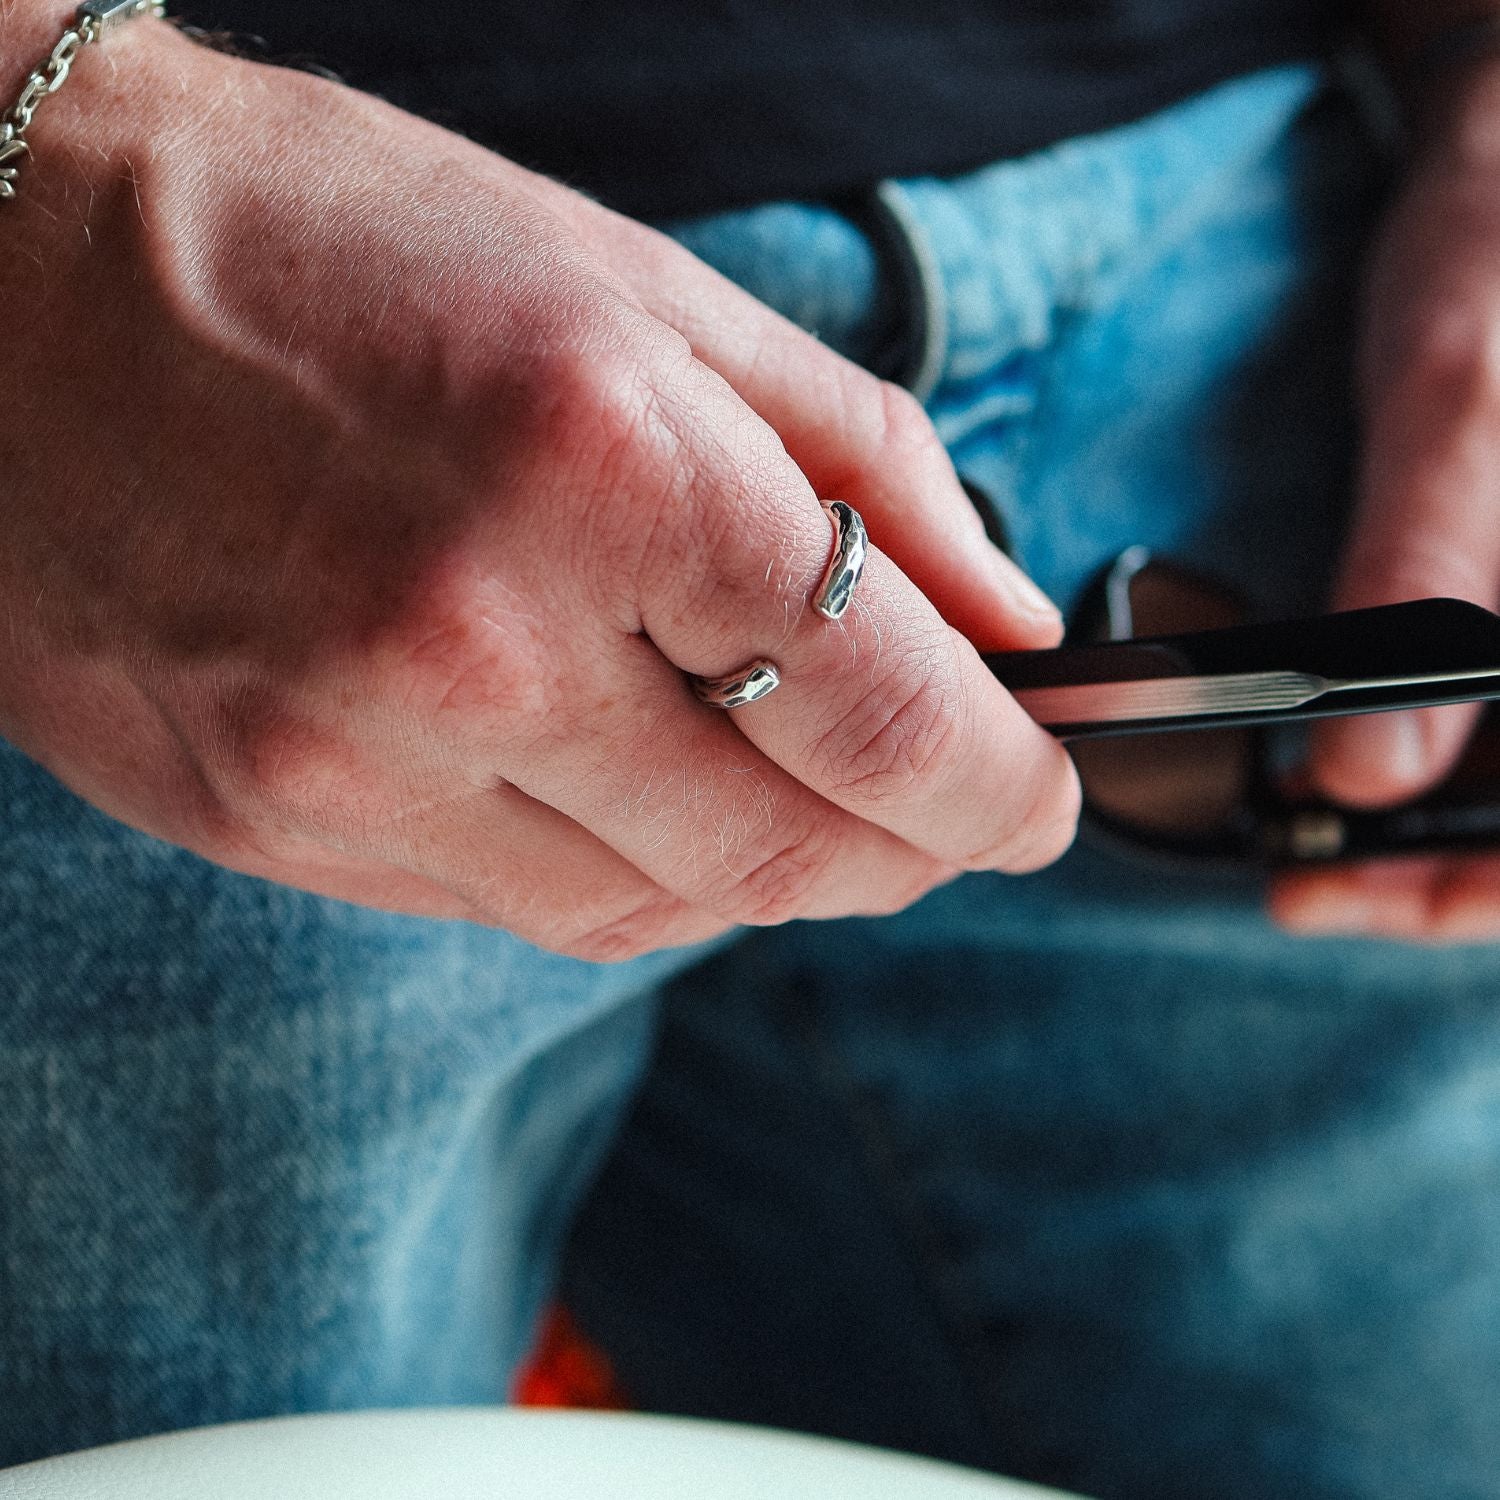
{"x": 466, "y": 657}
{"x": 601, "y": 400}
{"x": 644, "y": 929}
{"x": 606, "y": 386}
{"x": 900, "y": 436}
{"x": 630, "y": 473}
{"x": 779, "y": 884}
{"x": 284, "y": 771}
{"x": 907, "y": 427}
{"x": 242, "y": 842}
{"x": 904, "y": 734}
{"x": 890, "y": 428}
{"x": 587, "y": 925}
{"x": 241, "y": 838}
{"x": 732, "y": 541}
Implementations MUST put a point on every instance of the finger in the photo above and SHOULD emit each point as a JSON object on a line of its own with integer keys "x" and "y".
{"x": 491, "y": 855}
{"x": 891, "y": 715}
{"x": 676, "y": 790}
{"x": 868, "y": 442}
{"x": 1437, "y": 899}
{"x": 359, "y": 882}
{"x": 1425, "y": 527}
{"x": 530, "y": 869}
{"x": 888, "y": 713}
{"x": 856, "y": 438}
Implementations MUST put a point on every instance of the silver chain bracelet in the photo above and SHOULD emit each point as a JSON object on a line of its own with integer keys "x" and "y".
{"x": 94, "y": 18}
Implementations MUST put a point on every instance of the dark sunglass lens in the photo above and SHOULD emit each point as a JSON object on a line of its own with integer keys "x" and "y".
{"x": 1180, "y": 784}
{"x": 1168, "y": 600}
{"x": 1176, "y": 785}
{"x": 1477, "y": 774}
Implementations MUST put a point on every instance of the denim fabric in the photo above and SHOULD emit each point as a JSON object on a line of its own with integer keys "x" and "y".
{"x": 262, "y": 1152}
{"x": 1092, "y": 1177}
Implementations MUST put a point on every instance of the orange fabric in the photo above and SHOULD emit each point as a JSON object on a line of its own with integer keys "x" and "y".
{"x": 565, "y": 1369}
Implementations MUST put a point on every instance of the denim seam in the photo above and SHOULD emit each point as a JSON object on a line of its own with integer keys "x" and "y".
{"x": 881, "y": 1158}
{"x": 929, "y": 294}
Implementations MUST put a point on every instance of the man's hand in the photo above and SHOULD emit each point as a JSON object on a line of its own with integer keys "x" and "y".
{"x": 1429, "y": 517}
{"x": 367, "y": 499}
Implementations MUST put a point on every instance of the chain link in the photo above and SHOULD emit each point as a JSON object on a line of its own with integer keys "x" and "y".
{"x": 46, "y": 80}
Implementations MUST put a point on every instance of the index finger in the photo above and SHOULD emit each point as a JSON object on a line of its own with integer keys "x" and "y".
{"x": 888, "y": 713}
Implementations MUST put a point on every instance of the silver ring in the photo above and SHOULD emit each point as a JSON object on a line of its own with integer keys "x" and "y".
{"x": 851, "y": 544}
{"x": 760, "y": 678}
{"x": 748, "y": 685}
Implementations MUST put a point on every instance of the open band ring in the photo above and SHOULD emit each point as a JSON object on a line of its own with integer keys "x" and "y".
{"x": 851, "y": 545}
{"x": 739, "y": 688}
{"x": 759, "y": 678}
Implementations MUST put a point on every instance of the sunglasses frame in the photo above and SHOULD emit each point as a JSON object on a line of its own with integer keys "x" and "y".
{"x": 1270, "y": 827}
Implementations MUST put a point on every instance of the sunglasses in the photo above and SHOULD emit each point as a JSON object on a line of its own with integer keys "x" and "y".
{"x": 1156, "y": 649}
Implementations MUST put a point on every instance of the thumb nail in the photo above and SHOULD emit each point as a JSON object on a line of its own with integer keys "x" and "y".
{"x": 1022, "y": 592}
{"x": 1390, "y": 748}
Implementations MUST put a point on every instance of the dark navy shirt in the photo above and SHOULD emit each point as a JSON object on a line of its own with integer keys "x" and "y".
{"x": 669, "y": 106}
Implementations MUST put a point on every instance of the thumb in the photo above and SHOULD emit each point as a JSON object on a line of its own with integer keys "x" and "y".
{"x": 1425, "y": 527}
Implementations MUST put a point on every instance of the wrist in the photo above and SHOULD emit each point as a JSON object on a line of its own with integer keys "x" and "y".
{"x": 57, "y": 91}
{"x": 29, "y": 29}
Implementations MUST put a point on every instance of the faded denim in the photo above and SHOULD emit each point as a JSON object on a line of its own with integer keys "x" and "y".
{"x": 1091, "y": 1176}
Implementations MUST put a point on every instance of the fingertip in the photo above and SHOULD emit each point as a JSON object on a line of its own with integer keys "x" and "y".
{"x": 1050, "y": 826}
{"x": 1375, "y": 760}
{"x": 1012, "y": 613}
{"x": 944, "y": 547}
{"x": 980, "y": 592}
{"x": 1369, "y": 762}
{"x": 1042, "y": 635}
{"x": 1021, "y": 593}
{"x": 1393, "y": 899}
{"x": 1319, "y": 904}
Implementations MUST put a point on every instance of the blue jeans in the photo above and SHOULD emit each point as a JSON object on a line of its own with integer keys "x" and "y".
{"x": 1093, "y": 1177}
{"x": 1090, "y": 1175}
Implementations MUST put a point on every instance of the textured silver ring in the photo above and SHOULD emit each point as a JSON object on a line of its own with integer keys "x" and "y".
{"x": 851, "y": 545}
{"x": 748, "y": 685}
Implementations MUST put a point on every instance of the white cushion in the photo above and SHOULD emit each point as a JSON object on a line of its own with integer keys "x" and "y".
{"x": 494, "y": 1455}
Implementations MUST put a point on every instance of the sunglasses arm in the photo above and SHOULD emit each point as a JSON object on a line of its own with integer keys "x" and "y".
{"x": 1414, "y": 655}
